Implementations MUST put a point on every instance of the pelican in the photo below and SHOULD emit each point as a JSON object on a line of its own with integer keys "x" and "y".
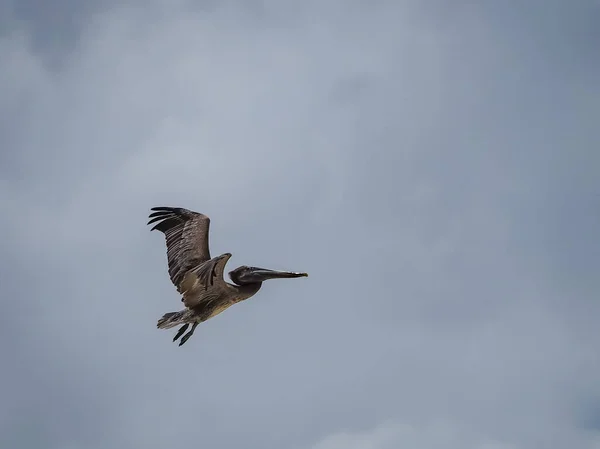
{"x": 198, "y": 277}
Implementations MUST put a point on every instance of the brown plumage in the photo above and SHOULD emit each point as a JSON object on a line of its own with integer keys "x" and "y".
{"x": 198, "y": 277}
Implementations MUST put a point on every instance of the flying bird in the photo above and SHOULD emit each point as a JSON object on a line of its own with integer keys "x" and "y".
{"x": 198, "y": 277}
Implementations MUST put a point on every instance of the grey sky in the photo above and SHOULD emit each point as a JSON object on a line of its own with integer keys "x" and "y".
{"x": 435, "y": 169}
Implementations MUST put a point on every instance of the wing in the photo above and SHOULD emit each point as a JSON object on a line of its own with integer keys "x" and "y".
{"x": 211, "y": 270}
{"x": 186, "y": 234}
{"x": 204, "y": 283}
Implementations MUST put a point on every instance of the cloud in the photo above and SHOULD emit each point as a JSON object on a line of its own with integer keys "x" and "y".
{"x": 391, "y": 435}
{"x": 433, "y": 171}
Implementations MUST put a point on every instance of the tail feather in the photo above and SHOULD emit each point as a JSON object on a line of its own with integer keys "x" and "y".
{"x": 173, "y": 319}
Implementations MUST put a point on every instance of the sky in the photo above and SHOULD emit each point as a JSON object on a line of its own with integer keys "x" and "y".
{"x": 434, "y": 167}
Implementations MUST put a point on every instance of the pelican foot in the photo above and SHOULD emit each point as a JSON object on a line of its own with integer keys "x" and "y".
{"x": 187, "y": 336}
{"x": 181, "y": 331}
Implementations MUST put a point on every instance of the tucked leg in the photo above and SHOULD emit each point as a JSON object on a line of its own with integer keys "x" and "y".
{"x": 181, "y": 331}
{"x": 189, "y": 334}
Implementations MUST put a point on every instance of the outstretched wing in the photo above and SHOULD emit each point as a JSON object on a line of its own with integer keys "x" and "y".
{"x": 186, "y": 234}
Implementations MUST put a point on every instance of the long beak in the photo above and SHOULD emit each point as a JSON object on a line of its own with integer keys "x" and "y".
{"x": 263, "y": 274}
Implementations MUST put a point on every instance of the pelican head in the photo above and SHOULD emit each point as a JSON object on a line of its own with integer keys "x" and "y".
{"x": 251, "y": 275}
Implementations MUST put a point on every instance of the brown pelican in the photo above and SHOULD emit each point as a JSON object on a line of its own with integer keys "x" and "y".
{"x": 198, "y": 278}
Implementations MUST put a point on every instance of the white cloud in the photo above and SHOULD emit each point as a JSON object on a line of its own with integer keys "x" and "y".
{"x": 441, "y": 435}
{"x": 392, "y": 435}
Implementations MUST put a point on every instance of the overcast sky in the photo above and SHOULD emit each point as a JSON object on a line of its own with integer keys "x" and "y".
{"x": 435, "y": 168}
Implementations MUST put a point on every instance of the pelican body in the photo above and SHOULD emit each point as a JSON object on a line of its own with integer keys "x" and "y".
{"x": 198, "y": 277}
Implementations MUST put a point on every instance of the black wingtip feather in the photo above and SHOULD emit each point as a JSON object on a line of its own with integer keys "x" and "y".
{"x": 161, "y": 217}
{"x": 164, "y": 209}
{"x": 155, "y": 219}
{"x": 169, "y": 217}
{"x": 159, "y": 214}
{"x": 162, "y": 214}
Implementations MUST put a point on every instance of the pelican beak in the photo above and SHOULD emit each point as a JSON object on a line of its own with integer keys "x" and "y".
{"x": 263, "y": 274}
